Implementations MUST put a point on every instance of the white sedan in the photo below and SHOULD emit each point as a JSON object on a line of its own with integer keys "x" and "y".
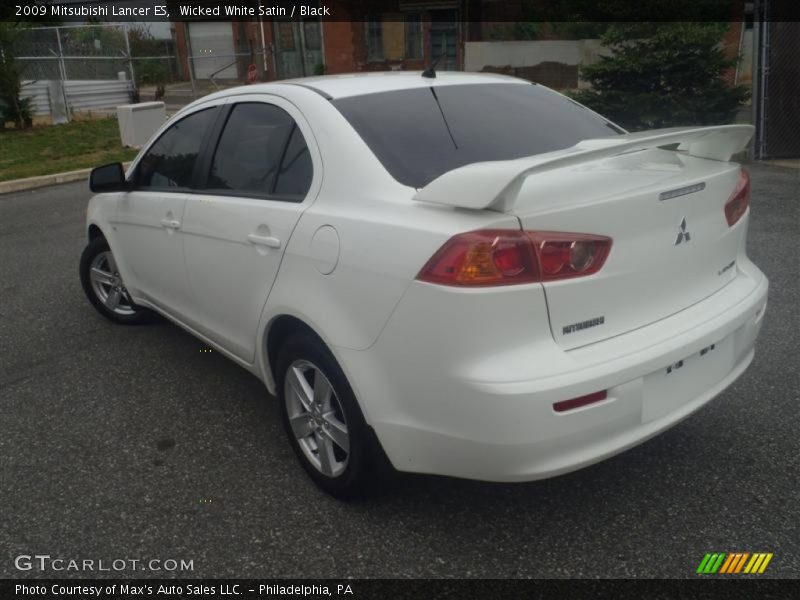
{"x": 460, "y": 274}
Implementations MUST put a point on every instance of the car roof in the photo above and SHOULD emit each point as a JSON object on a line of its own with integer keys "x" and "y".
{"x": 357, "y": 84}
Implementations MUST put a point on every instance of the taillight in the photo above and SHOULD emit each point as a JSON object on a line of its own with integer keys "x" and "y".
{"x": 506, "y": 257}
{"x": 486, "y": 257}
{"x": 565, "y": 255}
{"x": 736, "y": 206}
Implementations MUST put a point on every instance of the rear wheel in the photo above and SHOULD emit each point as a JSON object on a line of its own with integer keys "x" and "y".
{"x": 104, "y": 287}
{"x": 321, "y": 416}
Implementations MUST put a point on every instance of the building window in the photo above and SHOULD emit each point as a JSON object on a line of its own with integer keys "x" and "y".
{"x": 413, "y": 35}
{"x": 374, "y": 39}
{"x": 285, "y": 36}
{"x": 311, "y": 34}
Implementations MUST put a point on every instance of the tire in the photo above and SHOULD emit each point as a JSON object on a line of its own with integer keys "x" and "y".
{"x": 104, "y": 287}
{"x": 317, "y": 433}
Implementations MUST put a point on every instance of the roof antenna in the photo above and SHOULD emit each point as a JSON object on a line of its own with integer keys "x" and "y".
{"x": 430, "y": 72}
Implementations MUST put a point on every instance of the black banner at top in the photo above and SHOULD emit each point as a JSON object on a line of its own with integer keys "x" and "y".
{"x": 48, "y": 12}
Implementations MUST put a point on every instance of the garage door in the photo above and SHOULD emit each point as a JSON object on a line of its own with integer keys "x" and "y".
{"x": 212, "y": 49}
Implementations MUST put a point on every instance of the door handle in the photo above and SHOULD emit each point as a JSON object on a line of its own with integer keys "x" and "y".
{"x": 264, "y": 240}
{"x": 170, "y": 223}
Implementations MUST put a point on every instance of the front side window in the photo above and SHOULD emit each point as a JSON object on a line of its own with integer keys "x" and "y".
{"x": 261, "y": 152}
{"x": 169, "y": 163}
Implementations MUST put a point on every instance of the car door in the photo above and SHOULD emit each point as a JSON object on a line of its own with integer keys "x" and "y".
{"x": 260, "y": 175}
{"x": 149, "y": 217}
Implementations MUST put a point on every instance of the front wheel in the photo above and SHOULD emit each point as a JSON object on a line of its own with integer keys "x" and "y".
{"x": 322, "y": 418}
{"x": 104, "y": 287}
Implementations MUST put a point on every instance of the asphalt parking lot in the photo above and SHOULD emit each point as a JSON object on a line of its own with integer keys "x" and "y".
{"x": 129, "y": 442}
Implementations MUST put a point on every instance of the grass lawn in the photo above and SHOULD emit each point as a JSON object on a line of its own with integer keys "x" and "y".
{"x": 47, "y": 149}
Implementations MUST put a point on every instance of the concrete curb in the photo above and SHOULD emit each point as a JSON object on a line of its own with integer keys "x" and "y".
{"x": 30, "y": 183}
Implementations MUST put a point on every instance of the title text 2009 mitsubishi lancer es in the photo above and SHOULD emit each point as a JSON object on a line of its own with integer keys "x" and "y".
{"x": 463, "y": 274}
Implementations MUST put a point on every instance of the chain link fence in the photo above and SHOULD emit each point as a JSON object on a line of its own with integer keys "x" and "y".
{"x": 223, "y": 54}
{"x": 777, "y": 91}
{"x": 70, "y": 69}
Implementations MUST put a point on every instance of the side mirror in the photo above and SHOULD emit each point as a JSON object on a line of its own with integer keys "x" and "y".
{"x": 108, "y": 178}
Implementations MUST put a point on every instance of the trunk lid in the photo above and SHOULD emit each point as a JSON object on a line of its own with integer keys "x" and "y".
{"x": 672, "y": 245}
{"x": 659, "y": 195}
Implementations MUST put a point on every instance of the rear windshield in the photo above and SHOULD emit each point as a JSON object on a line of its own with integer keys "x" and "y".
{"x": 421, "y": 133}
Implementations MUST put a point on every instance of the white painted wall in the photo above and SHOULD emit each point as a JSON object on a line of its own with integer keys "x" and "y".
{"x": 478, "y": 55}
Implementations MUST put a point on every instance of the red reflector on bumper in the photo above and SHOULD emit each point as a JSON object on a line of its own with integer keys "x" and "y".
{"x": 565, "y": 405}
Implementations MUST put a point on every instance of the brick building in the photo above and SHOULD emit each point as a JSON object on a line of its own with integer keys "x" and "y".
{"x": 406, "y": 36}
{"x": 399, "y": 35}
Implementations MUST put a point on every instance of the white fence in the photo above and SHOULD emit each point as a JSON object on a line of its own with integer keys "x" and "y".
{"x": 39, "y": 94}
{"x": 81, "y": 95}
{"x": 94, "y": 66}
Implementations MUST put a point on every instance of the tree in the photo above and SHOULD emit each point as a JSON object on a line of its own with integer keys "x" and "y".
{"x": 663, "y": 74}
{"x": 12, "y": 106}
{"x": 149, "y": 71}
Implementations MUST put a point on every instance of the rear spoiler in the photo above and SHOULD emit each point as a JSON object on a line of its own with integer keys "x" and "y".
{"x": 495, "y": 184}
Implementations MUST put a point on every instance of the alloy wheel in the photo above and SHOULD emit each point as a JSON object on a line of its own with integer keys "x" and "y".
{"x": 108, "y": 286}
{"x": 316, "y": 418}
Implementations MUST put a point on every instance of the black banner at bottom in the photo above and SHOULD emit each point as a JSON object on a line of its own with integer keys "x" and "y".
{"x": 396, "y": 589}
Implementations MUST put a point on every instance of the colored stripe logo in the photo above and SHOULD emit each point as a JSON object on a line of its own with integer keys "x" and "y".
{"x": 734, "y": 562}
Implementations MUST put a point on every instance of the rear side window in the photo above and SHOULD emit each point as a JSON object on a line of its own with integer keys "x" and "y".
{"x": 169, "y": 163}
{"x": 294, "y": 177}
{"x": 261, "y": 152}
{"x": 421, "y": 133}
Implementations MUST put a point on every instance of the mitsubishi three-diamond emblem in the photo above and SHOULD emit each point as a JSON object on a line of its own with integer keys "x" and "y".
{"x": 683, "y": 235}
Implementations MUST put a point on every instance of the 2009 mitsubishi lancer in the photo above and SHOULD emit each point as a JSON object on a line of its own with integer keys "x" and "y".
{"x": 468, "y": 275}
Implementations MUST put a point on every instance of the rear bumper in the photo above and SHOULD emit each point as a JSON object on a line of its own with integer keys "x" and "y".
{"x": 447, "y": 400}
